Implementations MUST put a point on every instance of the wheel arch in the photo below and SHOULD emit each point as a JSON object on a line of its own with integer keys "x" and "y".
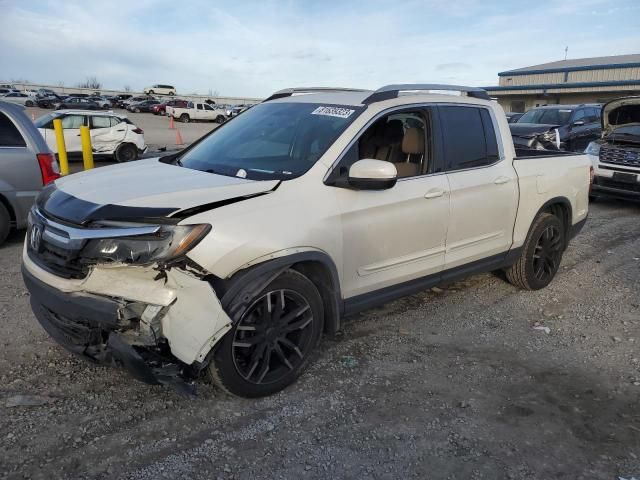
{"x": 317, "y": 266}
{"x": 561, "y": 208}
{"x": 12, "y": 214}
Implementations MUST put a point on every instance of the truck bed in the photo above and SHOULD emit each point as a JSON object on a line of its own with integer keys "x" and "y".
{"x": 524, "y": 153}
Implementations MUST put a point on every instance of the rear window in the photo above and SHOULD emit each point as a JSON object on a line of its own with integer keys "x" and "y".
{"x": 470, "y": 140}
{"x": 9, "y": 134}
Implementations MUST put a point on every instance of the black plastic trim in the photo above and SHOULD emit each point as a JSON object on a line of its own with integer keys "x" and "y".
{"x": 600, "y": 191}
{"x": 58, "y": 204}
{"x": 368, "y": 300}
{"x": 252, "y": 280}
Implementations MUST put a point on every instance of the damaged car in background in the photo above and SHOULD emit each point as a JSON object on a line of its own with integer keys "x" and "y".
{"x": 231, "y": 258}
{"x": 557, "y": 127}
{"x": 616, "y": 156}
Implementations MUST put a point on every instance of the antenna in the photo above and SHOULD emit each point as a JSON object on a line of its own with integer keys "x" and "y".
{"x": 566, "y": 49}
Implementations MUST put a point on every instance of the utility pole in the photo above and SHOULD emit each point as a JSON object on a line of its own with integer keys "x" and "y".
{"x": 566, "y": 50}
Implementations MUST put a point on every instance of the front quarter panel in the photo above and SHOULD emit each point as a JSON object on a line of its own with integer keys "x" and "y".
{"x": 299, "y": 215}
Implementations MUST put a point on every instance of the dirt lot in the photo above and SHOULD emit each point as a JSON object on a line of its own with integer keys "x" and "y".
{"x": 448, "y": 384}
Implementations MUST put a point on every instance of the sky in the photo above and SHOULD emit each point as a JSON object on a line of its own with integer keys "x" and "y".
{"x": 253, "y": 48}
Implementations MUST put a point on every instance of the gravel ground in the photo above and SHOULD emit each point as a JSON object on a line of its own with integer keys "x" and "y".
{"x": 453, "y": 383}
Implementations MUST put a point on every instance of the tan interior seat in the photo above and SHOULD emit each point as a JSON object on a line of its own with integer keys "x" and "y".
{"x": 413, "y": 149}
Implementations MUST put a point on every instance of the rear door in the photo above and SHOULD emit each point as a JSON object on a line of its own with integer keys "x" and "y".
{"x": 20, "y": 177}
{"x": 483, "y": 186}
{"x": 107, "y": 132}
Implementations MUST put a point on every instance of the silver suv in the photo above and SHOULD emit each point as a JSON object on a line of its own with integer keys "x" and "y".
{"x": 26, "y": 165}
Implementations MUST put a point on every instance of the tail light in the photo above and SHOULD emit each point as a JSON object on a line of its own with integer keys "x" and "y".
{"x": 48, "y": 167}
{"x": 138, "y": 130}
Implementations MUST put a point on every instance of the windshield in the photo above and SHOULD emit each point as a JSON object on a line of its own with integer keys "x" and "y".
{"x": 271, "y": 140}
{"x": 42, "y": 121}
{"x": 549, "y": 116}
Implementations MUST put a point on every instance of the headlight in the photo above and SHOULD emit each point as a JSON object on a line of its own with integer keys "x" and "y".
{"x": 170, "y": 242}
{"x": 593, "y": 149}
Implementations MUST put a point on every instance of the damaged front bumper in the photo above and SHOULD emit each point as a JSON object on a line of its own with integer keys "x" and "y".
{"x": 160, "y": 326}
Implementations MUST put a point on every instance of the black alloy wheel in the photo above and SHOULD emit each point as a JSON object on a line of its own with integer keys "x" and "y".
{"x": 272, "y": 341}
{"x": 273, "y": 337}
{"x": 547, "y": 254}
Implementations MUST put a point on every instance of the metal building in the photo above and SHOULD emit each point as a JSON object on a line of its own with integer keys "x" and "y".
{"x": 582, "y": 80}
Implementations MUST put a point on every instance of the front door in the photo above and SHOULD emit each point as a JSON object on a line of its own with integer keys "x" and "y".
{"x": 396, "y": 235}
{"x": 71, "y": 124}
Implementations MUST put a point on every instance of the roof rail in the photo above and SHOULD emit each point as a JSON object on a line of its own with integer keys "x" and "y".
{"x": 287, "y": 92}
{"x": 392, "y": 91}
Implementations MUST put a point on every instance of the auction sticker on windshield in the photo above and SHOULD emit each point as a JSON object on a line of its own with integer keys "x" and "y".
{"x": 333, "y": 112}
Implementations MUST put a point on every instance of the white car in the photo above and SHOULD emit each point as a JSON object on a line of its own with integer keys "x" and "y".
{"x": 198, "y": 111}
{"x": 160, "y": 90}
{"x": 235, "y": 255}
{"x": 111, "y": 133}
{"x": 19, "y": 98}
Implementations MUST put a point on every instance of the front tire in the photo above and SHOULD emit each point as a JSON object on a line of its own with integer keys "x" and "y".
{"x": 272, "y": 339}
{"x": 184, "y": 118}
{"x": 541, "y": 254}
{"x": 28, "y": 103}
{"x": 150, "y": 92}
{"x": 220, "y": 119}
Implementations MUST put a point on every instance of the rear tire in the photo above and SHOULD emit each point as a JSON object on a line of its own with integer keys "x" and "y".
{"x": 184, "y": 118}
{"x": 541, "y": 254}
{"x": 28, "y": 103}
{"x": 126, "y": 153}
{"x": 5, "y": 223}
{"x": 272, "y": 339}
{"x": 150, "y": 92}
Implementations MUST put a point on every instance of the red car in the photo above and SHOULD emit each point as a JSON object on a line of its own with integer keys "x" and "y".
{"x": 161, "y": 108}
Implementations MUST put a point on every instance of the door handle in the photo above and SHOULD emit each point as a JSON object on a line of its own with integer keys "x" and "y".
{"x": 435, "y": 193}
{"x": 501, "y": 180}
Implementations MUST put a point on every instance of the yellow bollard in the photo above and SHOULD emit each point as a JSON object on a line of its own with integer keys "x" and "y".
{"x": 62, "y": 149}
{"x": 87, "y": 153}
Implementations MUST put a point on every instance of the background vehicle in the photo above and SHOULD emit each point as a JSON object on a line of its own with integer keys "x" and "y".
{"x": 513, "y": 117}
{"x": 161, "y": 109}
{"x": 406, "y": 192}
{"x": 119, "y": 99}
{"x": 143, "y": 106}
{"x": 576, "y": 126}
{"x": 141, "y": 98}
{"x": 77, "y": 102}
{"x": 111, "y": 134}
{"x": 195, "y": 111}
{"x": 616, "y": 156}
{"x": 26, "y": 164}
{"x": 49, "y": 101}
{"x": 19, "y": 98}
{"x": 160, "y": 90}
{"x": 101, "y": 101}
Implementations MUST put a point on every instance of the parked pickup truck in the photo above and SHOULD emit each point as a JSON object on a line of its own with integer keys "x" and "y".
{"x": 616, "y": 156}
{"x": 197, "y": 111}
{"x": 232, "y": 257}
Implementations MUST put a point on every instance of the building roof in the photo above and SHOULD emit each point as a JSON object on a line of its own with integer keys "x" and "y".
{"x": 576, "y": 64}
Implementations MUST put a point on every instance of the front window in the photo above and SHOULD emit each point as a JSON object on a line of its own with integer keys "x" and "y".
{"x": 271, "y": 140}
{"x": 547, "y": 116}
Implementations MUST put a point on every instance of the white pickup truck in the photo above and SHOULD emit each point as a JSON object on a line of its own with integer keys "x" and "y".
{"x": 198, "y": 111}
{"x": 233, "y": 256}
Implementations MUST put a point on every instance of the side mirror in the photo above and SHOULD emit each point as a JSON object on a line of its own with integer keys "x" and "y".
{"x": 371, "y": 174}
{"x": 578, "y": 123}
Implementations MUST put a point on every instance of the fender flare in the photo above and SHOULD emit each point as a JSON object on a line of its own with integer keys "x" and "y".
{"x": 568, "y": 222}
{"x": 248, "y": 282}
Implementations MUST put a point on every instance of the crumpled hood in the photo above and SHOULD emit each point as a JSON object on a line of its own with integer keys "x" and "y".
{"x": 609, "y": 112}
{"x": 145, "y": 188}
{"x": 151, "y": 183}
{"x": 529, "y": 129}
